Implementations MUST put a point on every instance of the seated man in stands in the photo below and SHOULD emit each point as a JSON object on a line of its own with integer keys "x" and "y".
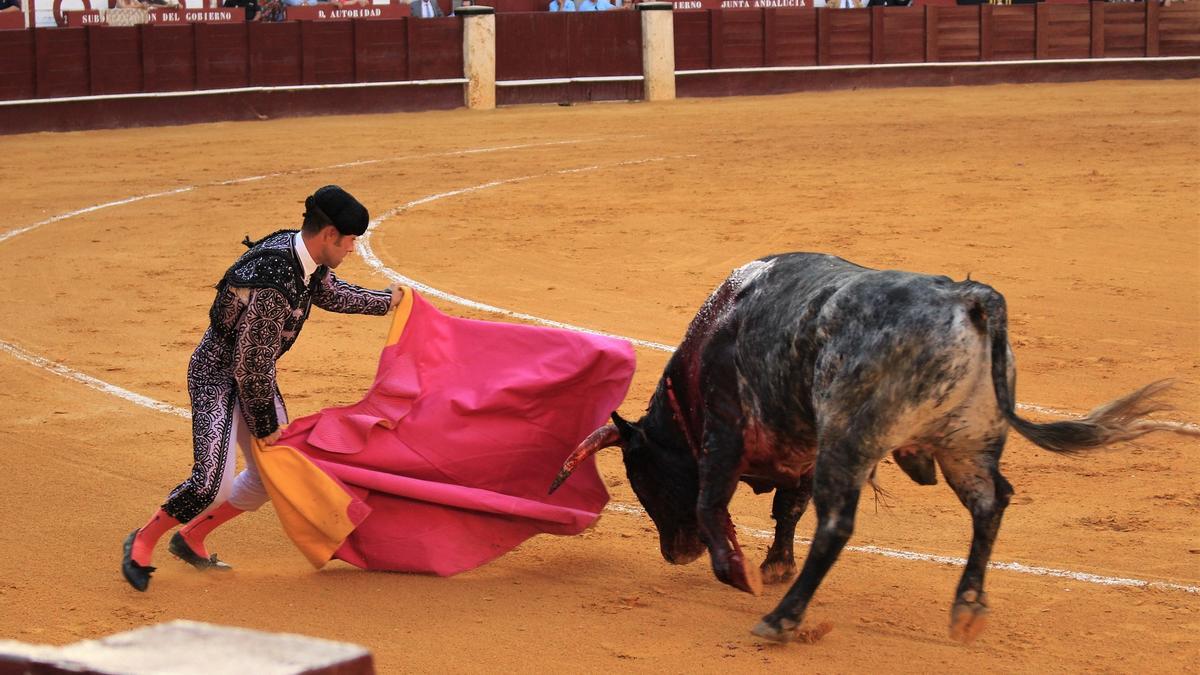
{"x": 587, "y": 6}
{"x": 251, "y": 7}
{"x": 604, "y": 5}
{"x": 10, "y": 5}
{"x": 425, "y": 9}
{"x": 271, "y": 10}
{"x": 562, "y": 6}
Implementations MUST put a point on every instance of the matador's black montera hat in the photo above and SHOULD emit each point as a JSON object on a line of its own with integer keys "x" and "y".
{"x": 338, "y": 208}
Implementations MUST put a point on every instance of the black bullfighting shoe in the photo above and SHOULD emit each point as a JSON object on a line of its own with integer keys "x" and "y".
{"x": 180, "y": 549}
{"x": 137, "y": 575}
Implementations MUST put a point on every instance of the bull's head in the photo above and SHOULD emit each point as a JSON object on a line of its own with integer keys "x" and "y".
{"x": 666, "y": 482}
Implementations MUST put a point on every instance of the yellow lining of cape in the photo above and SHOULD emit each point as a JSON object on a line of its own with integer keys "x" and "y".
{"x": 312, "y": 507}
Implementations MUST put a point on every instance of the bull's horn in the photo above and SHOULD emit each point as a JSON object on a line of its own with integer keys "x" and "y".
{"x": 603, "y": 437}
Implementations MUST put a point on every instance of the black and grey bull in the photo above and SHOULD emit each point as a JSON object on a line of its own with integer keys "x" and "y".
{"x": 799, "y": 374}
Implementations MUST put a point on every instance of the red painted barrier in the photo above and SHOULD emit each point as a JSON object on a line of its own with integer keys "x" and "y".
{"x": 435, "y": 48}
{"x": 605, "y": 43}
{"x": 327, "y": 48}
{"x": 168, "y": 57}
{"x": 381, "y": 50}
{"x": 1123, "y": 29}
{"x": 62, "y": 55}
{"x": 12, "y": 20}
{"x": 1067, "y": 29}
{"x": 737, "y": 38}
{"x": 1178, "y": 28}
{"x": 161, "y": 57}
{"x": 517, "y": 31}
{"x": 844, "y": 37}
{"x": 275, "y": 54}
{"x": 898, "y": 35}
{"x": 952, "y": 34}
{"x": 1013, "y": 32}
{"x": 17, "y": 78}
{"x": 222, "y": 56}
{"x": 693, "y": 41}
{"x": 115, "y": 59}
{"x": 791, "y": 37}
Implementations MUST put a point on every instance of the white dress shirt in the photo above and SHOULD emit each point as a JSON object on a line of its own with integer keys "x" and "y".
{"x": 306, "y": 258}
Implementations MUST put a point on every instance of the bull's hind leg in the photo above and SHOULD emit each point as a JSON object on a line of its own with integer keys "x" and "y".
{"x": 786, "y": 509}
{"x": 976, "y": 479}
{"x": 840, "y": 473}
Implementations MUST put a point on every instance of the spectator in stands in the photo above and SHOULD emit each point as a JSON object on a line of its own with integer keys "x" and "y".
{"x": 299, "y": 3}
{"x": 587, "y": 6}
{"x": 251, "y": 7}
{"x": 604, "y": 5}
{"x": 563, "y": 6}
{"x": 426, "y": 9}
{"x": 10, "y": 5}
{"x": 271, "y": 10}
{"x": 129, "y": 4}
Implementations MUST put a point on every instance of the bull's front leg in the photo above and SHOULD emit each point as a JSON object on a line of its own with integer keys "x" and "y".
{"x": 719, "y": 472}
{"x": 787, "y": 508}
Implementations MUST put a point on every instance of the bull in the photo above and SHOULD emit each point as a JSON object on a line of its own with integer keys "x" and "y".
{"x": 800, "y": 373}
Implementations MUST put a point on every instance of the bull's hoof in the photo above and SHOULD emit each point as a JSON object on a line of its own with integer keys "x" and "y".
{"x": 789, "y": 630}
{"x": 783, "y": 632}
{"x": 968, "y": 617}
{"x": 777, "y": 572}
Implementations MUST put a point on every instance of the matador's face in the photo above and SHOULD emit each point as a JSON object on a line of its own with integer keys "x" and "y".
{"x": 335, "y": 247}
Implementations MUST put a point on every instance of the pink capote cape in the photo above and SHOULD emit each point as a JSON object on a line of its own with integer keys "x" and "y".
{"x": 445, "y": 464}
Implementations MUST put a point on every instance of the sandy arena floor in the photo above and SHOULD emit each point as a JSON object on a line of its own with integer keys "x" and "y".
{"x": 1078, "y": 202}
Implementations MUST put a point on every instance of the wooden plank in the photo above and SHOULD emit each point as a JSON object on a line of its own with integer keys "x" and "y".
{"x": 768, "y": 35}
{"x": 1152, "y": 18}
{"x": 986, "y": 32}
{"x": 1041, "y": 34}
{"x": 877, "y": 35}
{"x": 931, "y": 33}
{"x": 823, "y": 15}
{"x": 1097, "y": 50}
{"x": 716, "y": 32}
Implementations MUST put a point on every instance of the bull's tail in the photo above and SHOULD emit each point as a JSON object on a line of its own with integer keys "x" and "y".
{"x": 1120, "y": 420}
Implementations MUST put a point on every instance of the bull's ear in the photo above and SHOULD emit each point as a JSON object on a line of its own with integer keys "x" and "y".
{"x": 626, "y": 429}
